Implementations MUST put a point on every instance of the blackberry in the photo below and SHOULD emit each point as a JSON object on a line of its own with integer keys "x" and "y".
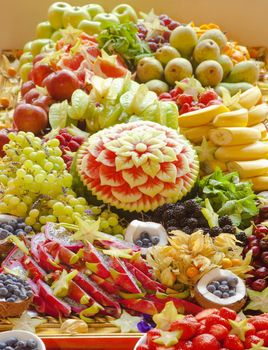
{"x": 159, "y": 212}
{"x": 192, "y": 206}
{"x": 192, "y": 223}
{"x": 225, "y": 220}
{"x": 215, "y": 231}
{"x": 168, "y": 215}
{"x": 171, "y": 222}
{"x": 205, "y": 229}
{"x": 172, "y": 228}
{"x": 202, "y": 221}
{"x": 187, "y": 230}
{"x": 229, "y": 229}
{"x": 242, "y": 238}
{"x": 179, "y": 211}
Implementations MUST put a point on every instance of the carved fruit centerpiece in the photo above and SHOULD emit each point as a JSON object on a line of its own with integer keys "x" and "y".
{"x": 137, "y": 166}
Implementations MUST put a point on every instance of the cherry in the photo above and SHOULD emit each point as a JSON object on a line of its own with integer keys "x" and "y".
{"x": 264, "y": 244}
{"x": 259, "y": 284}
{"x": 255, "y": 250}
{"x": 261, "y": 272}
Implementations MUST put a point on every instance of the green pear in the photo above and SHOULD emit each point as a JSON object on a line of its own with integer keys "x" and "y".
{"x": 166, "y": 53}
{"x": 93, "y": 10}
{"x": 55, "y": 14}
{"x": 106, "y": 19}
{"x": 27, "y": 47}
{"x": 149, "y": 68}
{"x": 209, "y": 73}
{"x": 206, "y": 50}
{"x": 178, "y": 69}
{"x": 217, "y": 35}
{"x": 246, "y": 71}
{"x": 90, "y": 27}
{"x": 184, "y": 39}
{"x": 157, "y": 86}
{"x": 125, "y": 13}
{"x": 26, "y": 57}
{"x": 44, "y": 30}
{"x": 74, "y": 16}
{"x": 25, "y": 70}
{"x": 226, "y": 63}
{"x": 57, "y": 35}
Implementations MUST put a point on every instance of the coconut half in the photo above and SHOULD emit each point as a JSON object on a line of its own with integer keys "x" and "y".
{"x": 208, "y": 300}
{"x": 136, "y": 227}
{"x": 13, "y": 309}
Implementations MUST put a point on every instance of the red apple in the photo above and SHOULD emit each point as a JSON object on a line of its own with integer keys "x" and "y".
{"x": 31, "y": 95}
{"x": 28, "y": 117}
{"x": 29, "y": 85}
{"x": 40, "y": 72}
{"x": 3, "y": 141}
{"x": 38, "y": 58}
{"x": 44, "y": 102}
{"x": 61, "y": 85}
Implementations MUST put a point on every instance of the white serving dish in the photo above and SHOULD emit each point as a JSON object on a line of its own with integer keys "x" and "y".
{"x": 22, "y": 335}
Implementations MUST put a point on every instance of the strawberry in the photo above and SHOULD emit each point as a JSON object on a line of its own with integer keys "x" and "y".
{"x": 216, "y": 319}
{"x": 175, "y": 92}
{"x": 188, "y": 325}
{"x": 260, "y": 323}
{"x": 219, "y": 331}
{"x": 232, "y": 342}
{"x": 151, "y": 336}
{"x": 251, "y": 330}
{"x": 207, "y": 96}
{"x": 252, "y": 339}
{"x": 184, "y": 345}
{"x": 185, "y": 108}
{"x": 205, "y": 342}
{"x": 201, "y": 329}
{"x": 263, "y": 335}
{"x": 165, "y": 96}
{"x": 227, "y": 313}
{"x": 184, "y": 98}
{"x": 205, "y": 313}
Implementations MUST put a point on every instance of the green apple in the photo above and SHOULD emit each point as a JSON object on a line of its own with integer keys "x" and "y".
{"x": 26, "y": 57}
{"x": 24, "y": 71}
{"x": 57, "y": 35}
{"x": 27, "y": 47}
{"x": 93, "y": 9}
{"x": 55, "y": 14}
{"x": 48, "y": 47}
{"x": 44, "y": 30}
{"x": 90, "y": 27}
{"x": 106, "y": 19}
{"x": 38, "y": 44}
{"x": 125, "y": 13}
{"x": 74, "y": 16}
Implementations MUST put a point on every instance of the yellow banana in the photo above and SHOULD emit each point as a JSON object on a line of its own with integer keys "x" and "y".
{"x": 196, "y": 134}
{"x": 259, "y": 183}
{"x": 234, "y": 136}
{"x": 261, "y": 127}
{"x": 201, "y": 116}
{"x": 249, "y": 168}
{"x": 257, "y": 114}
{"x": 256, "y": 150}
{"x": 250, "y": 97}
{"x": 232, "y": 118}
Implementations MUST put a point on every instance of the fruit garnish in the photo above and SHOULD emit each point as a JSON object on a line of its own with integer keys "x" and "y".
{"x": 119, "y": 253}
{"x": 167, "y": 316}
{"x": 168, "y": 338}
{"x": 27, "y": 322}
{"x": 206, "y": 150}
{"x": 87, "y": 232}
{"x": 127, "y": 323}
{"x": 232, "y": 102}
{"x": 239, "y": 328}
{"x": 209, "y": 214}
{"x": 74, "y": 326}
{"x": 61, "y": 286}
{"x": 257, "y": 300}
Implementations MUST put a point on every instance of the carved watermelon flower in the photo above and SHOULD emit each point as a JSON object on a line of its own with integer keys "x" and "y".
{"x": 137, "y": 166}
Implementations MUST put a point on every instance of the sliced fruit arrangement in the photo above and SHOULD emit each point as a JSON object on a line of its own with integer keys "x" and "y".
{"x": 210, "y": 329}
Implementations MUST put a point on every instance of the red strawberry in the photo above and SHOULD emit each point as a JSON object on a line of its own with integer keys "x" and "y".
{"x": 263, "y": 335}
{"x": 184, "y": 345}
{"x": 260, "y": 323}
{"x": 205, "y": 342}
{"x": 201, "y": 329}
{"x": 216, "y": 319}
{"x": 184, "y": 98}
{"x": 227, "y": 313}
{"x": 188, "y": 325}
{"x": 219, "y": 331}
{"x": 232, "y": 342}
{"x": 175, "y": 92}
{"x": 252, "y": 339}
{"x": 205, "y": 313}
{"x": 251, "y": 330}
{"x": 165, "y": 96}
{"x": 185, "y": 108}
{"x": 207, "y": 96}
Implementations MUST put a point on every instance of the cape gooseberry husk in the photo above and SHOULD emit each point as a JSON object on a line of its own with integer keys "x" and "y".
{"x": 137, "y": 166}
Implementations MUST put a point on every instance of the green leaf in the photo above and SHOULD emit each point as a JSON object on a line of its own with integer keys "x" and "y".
{"x": 79, "y": 103}
{"x": 58, "y": 114}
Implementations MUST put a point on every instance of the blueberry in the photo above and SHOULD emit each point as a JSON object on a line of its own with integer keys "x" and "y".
{"x": 216, "y": 284}
{"x": 225, "y": 295}
{"x": 211, "y": 288}
{"x": 139, "y": 243}
{"x": 2, "y": 345}
{"x": 223, "y": 288}
{"x": 233, "y": 282}
{"x": 29, "y": 293}
{"x": 9, "y": 348}
{"x": 21, "y": 225}
{"x": 9, "y": 228}
{"x": 3, "y": 292}
{"x": 20, "y": 220}
{"x": 19, "y": 232}
{"x": 11, "y": 300}
{"x": 31, "y": 343}
{"x": 21, "y": 344}
{"x": 155, "y": 240}
{"x": 146, "y": 241}
{"x": 4, "y": 233}
{"x": 218, "y": 293}
{"x": 28, "y": 229}
{"x": 144, "y": 235}
{"x": 232, "y": 293}
{"x": 11, "y": 341}
{"x": 224, "y": 282}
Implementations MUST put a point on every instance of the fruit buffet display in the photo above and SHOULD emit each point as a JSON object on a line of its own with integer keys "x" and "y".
{"x": 133, "y": 182}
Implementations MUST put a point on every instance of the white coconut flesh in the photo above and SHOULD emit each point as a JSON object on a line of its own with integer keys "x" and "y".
{"x": 136, "y": 227}
{"x": 204, "y": 296}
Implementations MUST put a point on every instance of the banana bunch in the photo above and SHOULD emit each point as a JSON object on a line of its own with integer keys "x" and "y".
{"x": 238, "y": 131}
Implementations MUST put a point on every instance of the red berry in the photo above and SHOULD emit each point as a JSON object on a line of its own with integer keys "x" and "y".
{"x": 202, "y": 315}
{"x": 61, "y": 139}
{"x": 263, "y": 335}
{"x": 188, "y": 326}
{"x": 207, "y": 96}
{"x": 250, "y": 340}
{"x": 184, "y": 345}
{"x": 232, "y": 342}
{"x": 67, "y": 136}
{"x": 259, "y": 322}
{"x": 78, "y": 139}
{"x": 66, "y": 158}
{"x": 201, "y": 329}
{"x": 259, "y": 285}
{"x": 73, "y": 145}
{"x": 184, "y": 98}
{"x": 251, "y": 330}
{"x": 216, "y": 319}
{"x": 165, "y": 96}
{"x": 185, "y": 108}
{"x": 227, "y": 313}
{"x": 205, "y": 342}
{"x": 219, "y": 331}
{"x": 173, "y": 25}
{"x": 175, "y": 92}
